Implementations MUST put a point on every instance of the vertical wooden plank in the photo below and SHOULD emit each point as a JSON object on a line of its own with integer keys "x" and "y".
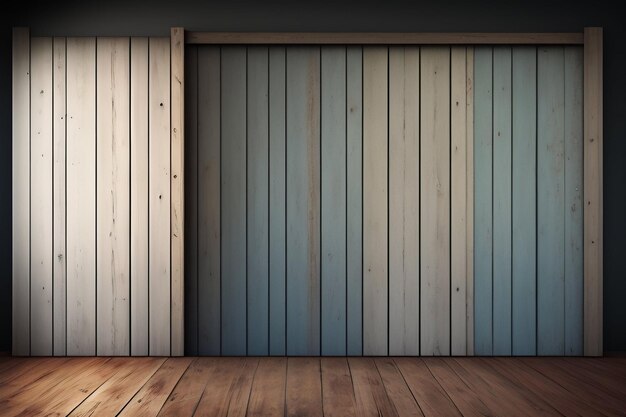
{"x": 502, "y": 200}
{"x": 233, "y": 209}
{"x": 404, "y": 201}
{"x": 209, "y": 122}
{"x": 354, "y": 199}
{"x": 375, "y": 203}
{"x": 458, "y": 201}
{"x": 191, "y": 205}
{"x": 258, "y": 200}
{"x": 21, "y": 191}
{"x": 550, "y": 201}
{"x": 573, "y": 201}
{"x": 303, "y": 201}
{"x": 159, "y": 200}
{"x": 469, "y": 177}
{"x": 177, "y": 114}
{"x": 524, "y": 255}
{"x": 483, "y": 209}
{"x": 112, "y": 197}
{"x": 58, "y": 193}
{"x": 139, "y": 196}
{"x": 81, "y": 196}
{"x": 41, "y": 196}
{"x": 333, "y": 200}
{"x": 593, "y": 136}
{"x": 435, "y": 201}
{"x": 277, "y": 215}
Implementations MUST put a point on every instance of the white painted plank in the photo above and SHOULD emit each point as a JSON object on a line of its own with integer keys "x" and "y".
{"x": 404, "y": 201}
{"x": 159, "y": 200}
{"x": 435, "y": 201}
{"x": 469, "y": 120}
{"x": 41, "y": 197}
{"x": 58, "y": 251}
{"x": 112, "y": 198}
{"x": 81, "y": 196}
{"x": 139, "y": 266}
{"x": 458, "y": 196}
{"x": 375, "y": 192}
{"x": 21, "y": 191}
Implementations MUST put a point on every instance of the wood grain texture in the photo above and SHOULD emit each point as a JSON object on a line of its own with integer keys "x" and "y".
{"x": 369, "y": 391}
{"x": 267, "y": 396}
{"x": 375, "y": 205}
{"x": 381, "y": 38}
{"x": 81, "y": 196}
{"x": 338, "y": 393}
{"x": 277, "y": 201}
{"x": 41, "y": 220}
{"x": 502, "y": 208}
{"x": 397, "y": 390}
{"x": 113, "y": 196}
{"x": 159, "y": 197}
{"x": 257, "y": 200}
{"x": 524, "y": 200}
{"x": 139, "y": 196}
{"x": 435, "y": 201}
{"x": 483, "y": 208}
{"x": 209, "y": 219}
{"x": 469, "y": 176}
{"x": 233, "y": 200}
{"x": 593, "y": 197}
{"x": 186, "y": 395}
{"x": 550, "y": 201}
{"x": 574, "y": 175}
{"x": 177, "y": 190}
{"x": 59, "y": 268}
{"x": 354, "y": 199}
{"x": 20, "y": 123}
{"x": 458, "y": 201}
{"x": 304, "y": 387}
{"x": 333, "y": 200}
{"x": 303, "y": 201}
{"x": 404, "y": 200}
{"x": 191, "y": 205}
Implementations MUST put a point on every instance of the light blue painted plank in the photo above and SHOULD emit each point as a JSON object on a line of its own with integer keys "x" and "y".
{"x": 233, "y": 209}
{"x": 278, "y": 302}
{"x": 502, "y": 200}
{"x": 524, "y": 200}
{"x": 303, "y": 201}
{"x": 333, "y": 201}
{"x": 550, "y": 201}
{"x": 258, "y": 201}
{"x": 483, "y": 243}
{"x": 354, "y": 68}
{"x": 573, "y": 201}
{"x": 209, "y": 115}
{"x": 191, "y": 201}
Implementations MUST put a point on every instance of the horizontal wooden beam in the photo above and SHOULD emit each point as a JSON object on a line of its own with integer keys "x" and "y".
{"x": 382, "y": 38}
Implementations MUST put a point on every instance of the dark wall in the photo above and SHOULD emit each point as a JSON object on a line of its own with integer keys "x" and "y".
{"x": 155, "y": 17}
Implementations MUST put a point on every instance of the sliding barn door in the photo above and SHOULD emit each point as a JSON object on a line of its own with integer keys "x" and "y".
{"x": 91, "y": 230}
{"x": 328, "y": 206}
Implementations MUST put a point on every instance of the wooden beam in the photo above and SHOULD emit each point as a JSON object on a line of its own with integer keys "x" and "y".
{"x": 593, "y": 192}
{"x": 177, "y": 189}
{"x": 300, "y": 38}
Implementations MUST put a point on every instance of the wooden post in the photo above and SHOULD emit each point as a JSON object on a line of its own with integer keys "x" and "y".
{"x": 177, "y": 51}
{"x": 593, "y": 192}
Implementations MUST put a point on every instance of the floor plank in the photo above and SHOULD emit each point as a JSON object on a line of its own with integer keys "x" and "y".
{"x": 228, "y": 389}
{"x": 113, "y": 395}
{"x": 20, "y": 381}
{"x": 431, "y": 398}
{"x": 614, "y": 386}
{"x": 337, "y": 392}
{"x": 267, "y": 398}
{"x": 304, "y": 387}
{"x": 369, "y": 392}
{"x": 185, "y": 397}
{"x": 396, "y": 388}
{"x": 150, "y": 398}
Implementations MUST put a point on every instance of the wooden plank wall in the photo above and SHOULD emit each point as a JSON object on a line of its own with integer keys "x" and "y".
{"x": 92, "y": 266}
{"x": 304, "y": 233}
{"x": 528, "y": 190}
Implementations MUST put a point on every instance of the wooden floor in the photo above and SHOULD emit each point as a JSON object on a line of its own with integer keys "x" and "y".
{"x": 313, "y": 387}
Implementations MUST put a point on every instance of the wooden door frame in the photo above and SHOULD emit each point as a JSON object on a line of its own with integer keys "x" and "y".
{"x": 591, "y": 39}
